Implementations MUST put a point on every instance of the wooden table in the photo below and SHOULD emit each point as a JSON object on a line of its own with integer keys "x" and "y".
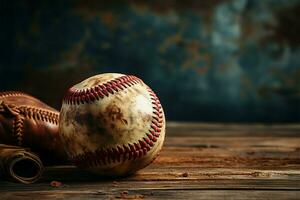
{"x": 198, "y": 161}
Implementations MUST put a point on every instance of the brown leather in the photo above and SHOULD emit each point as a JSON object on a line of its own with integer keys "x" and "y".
{"x": 26, "y": 121}
{"x": 19, "y": 164}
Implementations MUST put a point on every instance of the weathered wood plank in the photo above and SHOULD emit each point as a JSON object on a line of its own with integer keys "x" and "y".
{"x": 123, "y": 184}
{"x": 155, "y": 194}
{"x": 232, "y": 152}
{"x": 235, "y": 157}
{"x": 208, "y": 129}
{"x": 198, "y": 161}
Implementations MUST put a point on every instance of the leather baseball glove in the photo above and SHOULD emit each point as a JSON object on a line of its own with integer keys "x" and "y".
{"x": 27, "y": 122}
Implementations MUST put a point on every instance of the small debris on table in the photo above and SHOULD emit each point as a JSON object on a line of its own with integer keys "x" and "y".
{"x": 123, "y": 194}
{"x": 185, "y": 174}
{"x": 55, "y": 184}
{"x": 136, "y": 196}
{"x": 250, "y": 152}
{"x": 115, "y": 184}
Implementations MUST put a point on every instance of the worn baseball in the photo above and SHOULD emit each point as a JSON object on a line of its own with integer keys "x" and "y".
{"x": 112, "y": 124}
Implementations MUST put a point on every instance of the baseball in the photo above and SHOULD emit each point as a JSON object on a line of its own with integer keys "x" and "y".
{"x": 112, "y": 124}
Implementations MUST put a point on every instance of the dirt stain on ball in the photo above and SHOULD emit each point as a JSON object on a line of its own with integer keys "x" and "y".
{"x": 115, "y": 114}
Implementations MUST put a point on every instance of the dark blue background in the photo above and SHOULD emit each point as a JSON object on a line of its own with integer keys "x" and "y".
{"x": 229, "y": 61}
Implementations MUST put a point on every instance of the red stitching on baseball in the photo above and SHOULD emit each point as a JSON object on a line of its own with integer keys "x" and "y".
{"x": 97, "y": 92}
{"x": 131, "y": 150}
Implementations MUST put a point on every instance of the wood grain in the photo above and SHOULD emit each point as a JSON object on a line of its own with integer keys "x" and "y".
{"x": 204, "y": 162}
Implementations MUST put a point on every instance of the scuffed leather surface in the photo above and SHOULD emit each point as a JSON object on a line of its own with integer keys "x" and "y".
{"x": 28, "y": 122}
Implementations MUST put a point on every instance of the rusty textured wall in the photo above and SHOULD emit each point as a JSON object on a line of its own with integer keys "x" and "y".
{"x": 218, "y": 60}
